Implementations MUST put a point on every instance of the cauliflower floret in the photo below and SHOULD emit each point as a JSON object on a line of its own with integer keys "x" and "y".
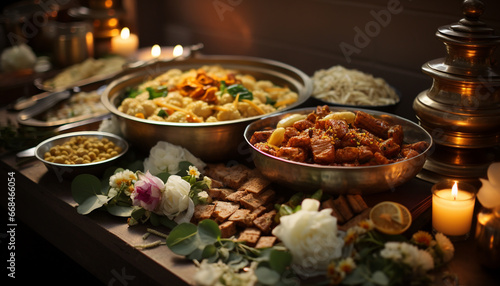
{"x": 131, "y": 106}
{"x": 186, "y": 101}
{"x": 200, "y": 108}
{"x": 230, "y": 113}
{"x": 143, "y": 96}
{"x": 174, "y": 98}
{"x": 177, "y": 117}
{"x": 156, "y": 118}
{"x": 149, "y": 108}
{"x": 260, "y": 96}
{"x": 263, "y": 84}
{"x": 211, "y": 119}
{"x": 247, "y": 81}
{"x": 225, "y": 98}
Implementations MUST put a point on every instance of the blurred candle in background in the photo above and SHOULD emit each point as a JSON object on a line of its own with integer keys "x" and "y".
{"x": 125, "y": 44}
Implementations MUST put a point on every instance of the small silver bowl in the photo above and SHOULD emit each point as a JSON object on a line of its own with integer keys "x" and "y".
{"x": 69, "y": 171}
{"x": 339, "y": 179}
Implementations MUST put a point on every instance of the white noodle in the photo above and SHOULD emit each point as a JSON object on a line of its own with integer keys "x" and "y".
{"x": 348, "y": 86}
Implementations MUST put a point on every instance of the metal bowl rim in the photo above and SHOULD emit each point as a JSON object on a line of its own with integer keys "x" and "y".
{"x": 105, "y": 96}
{"x": 82, "y": 133}
{"x": 326, "y": 167}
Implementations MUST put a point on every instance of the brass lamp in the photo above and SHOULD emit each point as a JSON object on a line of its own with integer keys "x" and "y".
{"x": 461, "y": 110}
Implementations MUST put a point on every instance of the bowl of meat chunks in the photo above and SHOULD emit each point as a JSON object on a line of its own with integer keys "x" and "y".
{"x": 338, "y": 150}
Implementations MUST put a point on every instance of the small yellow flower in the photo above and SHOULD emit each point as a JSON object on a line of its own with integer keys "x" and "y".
{"x": 347, "y": 265}
{"x": 350, "y": 236}
{"x": 422, "y": 238}
{"x": 366, "y": 224}
{"x": 193, "y": 171}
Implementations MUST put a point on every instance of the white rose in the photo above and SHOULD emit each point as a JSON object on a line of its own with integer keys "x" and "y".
{"x": 165, "y": 157}
{"x": 489, "y": 193}
{"x": 175, "y": 200}
{"x": 311, "y": 236}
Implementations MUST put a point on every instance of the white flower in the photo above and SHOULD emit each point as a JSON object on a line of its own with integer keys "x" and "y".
{"x": 419, "y": 260}
{"x": 193, "y": 171}
{"x": 446, "y": 246}
{"x": 125, "y": 178}
{"x": 175, "y": 202}
{"x": 489, "y": 193}
{"x": 165, "y": 157}
{"x": 219, "y": 273}
{"x": 311, "y": 236}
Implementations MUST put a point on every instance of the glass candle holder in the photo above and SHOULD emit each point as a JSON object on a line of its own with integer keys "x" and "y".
{"x": 453, "y": 208}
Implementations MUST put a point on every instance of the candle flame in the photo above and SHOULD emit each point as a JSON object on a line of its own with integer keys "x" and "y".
{"x": 125, "y": 33}
{"x": 178, "y": 50}
{"x": 156, "y": 51}
{"x": 454, "y": 191}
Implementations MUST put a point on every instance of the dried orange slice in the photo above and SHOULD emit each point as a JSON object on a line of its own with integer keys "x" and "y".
{"x": 390, "y": 217}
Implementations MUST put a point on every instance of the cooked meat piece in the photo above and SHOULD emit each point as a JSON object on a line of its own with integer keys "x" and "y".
{"x": 264, "y": 147}
{"x": 216, "y": 183}
{"x": 265, "y": 242}
{"x": 259, "y": 210}
{"x": 346, "y": 155}
{"x": 238, "y": 174}
{"x": 227, "y": 229}
{"x": 251, "y": 201}
{"x": 292, "y": 153}
{"x": 219, "y": 193}
{"x": 303, "y": 140}
{"x": 236, "y": 196}
{"x": 255, "y": 185}
{"x": 250, "y": 235}
{"x": 355, "y": 220}
{"x": 312, "y": 117}
{"x": 396, "y": 132}
{"x": 216, "y": 171}
{"x": 265, "y": 221}
{"x": 336, "y": 128}
{"x": 224, "y": 210}
{"x": 378, "y": 159}
{"x": 409, "y": 153}
{"x": 343, "y": 207}
{"x": 243, "y": 217}
{"x": 260, "y": 136}
{"x": 266, "y": 196}
{"x": 356, "y": 203}
{"x": 322, "y": 111}
{"x": 365, "y": 154}
{"x": 376, "y": 126}
{"x": 202, "y": 212}
{"x": 389, "y": 148}
{"x": 329, "y": 204}
{"x": 420, "y": 146}
{"x": 290, "y": 132}
{"x": 322, "y": 150}
{"x": 303, "y": 124}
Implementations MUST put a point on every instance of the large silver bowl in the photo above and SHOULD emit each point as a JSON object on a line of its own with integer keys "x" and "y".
{"x": 339, "y": 179}
{"x": 211, "y": 142}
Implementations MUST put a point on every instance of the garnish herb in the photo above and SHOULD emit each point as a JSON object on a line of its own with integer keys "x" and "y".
{"x": 239, "y": 90}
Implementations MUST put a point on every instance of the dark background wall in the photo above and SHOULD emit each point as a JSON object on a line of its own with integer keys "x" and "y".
{"x": 399, "y": 34}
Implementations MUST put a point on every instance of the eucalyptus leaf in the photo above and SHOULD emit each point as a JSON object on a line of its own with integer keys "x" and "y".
{"x": 380, "y": 278}
{"x": 163, "y": 176}
{"x": 121, "y": 211}
{"x": 165, "y": 221}
{"x": 209, "y": 231}
{"x": 154, "y": 219}
{"x": 267, "y": 276}
{"x": 209, "y": 251}
{"x": 279, "y": 260}
{"x": 196, "y": 254}
{"x": 357, "y": 276}
{"x": 138, "y": 213}
{"x": 92, "y": 203}
{"x": 183, "y": 239}
{"x": 183, "y": 168}
{"x": 84, "y": 186}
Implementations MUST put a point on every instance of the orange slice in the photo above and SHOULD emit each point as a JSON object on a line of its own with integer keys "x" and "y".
{"x": 390, "y": 217}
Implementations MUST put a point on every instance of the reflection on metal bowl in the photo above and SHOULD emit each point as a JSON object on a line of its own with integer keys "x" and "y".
{"x": 339, "y": 179}
{"x": 70, "y": 171}
{"x": 211, "y": 142}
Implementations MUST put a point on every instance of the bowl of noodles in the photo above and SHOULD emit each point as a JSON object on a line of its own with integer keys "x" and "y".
{"x": 339, "y": 86}
{"x": 203, "y": 103}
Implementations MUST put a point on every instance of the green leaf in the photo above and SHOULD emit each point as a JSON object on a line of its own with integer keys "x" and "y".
{"x": 92, "y": 203}
{"x": 357, "y": 276}
{"x": 165, "y": 221}
{"x": 121, "y": 211}
{"x": 239, "y": 89}
{"x": 267, "y": 276}
{"x": 84, "y": 186}
{"x": 209, "y": 251}
{"x": 279, "y": 260}
{"x": 380, "y": 278}
{"x": 138, "y": 213}
{"x": 183, "y": 168}
{"x": 163, "y": 176}
{"x": 209, "y": 231}
{"x": 183, "y": 239}
{"x": 154, "y": 219}
{"x": 160, "y": 91}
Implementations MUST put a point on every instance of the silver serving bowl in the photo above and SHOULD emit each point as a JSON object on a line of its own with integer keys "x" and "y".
{"x": 339, "y": 179}
{"x": 69, "y": 171}
{"x": 211, "y": 142}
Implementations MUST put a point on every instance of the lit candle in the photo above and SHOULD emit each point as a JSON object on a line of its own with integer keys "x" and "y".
{"x": 125, "y": 44}
{"x": 452, "y": 208}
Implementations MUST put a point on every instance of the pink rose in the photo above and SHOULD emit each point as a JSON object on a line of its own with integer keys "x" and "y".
{"x": 147, "y": 191}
